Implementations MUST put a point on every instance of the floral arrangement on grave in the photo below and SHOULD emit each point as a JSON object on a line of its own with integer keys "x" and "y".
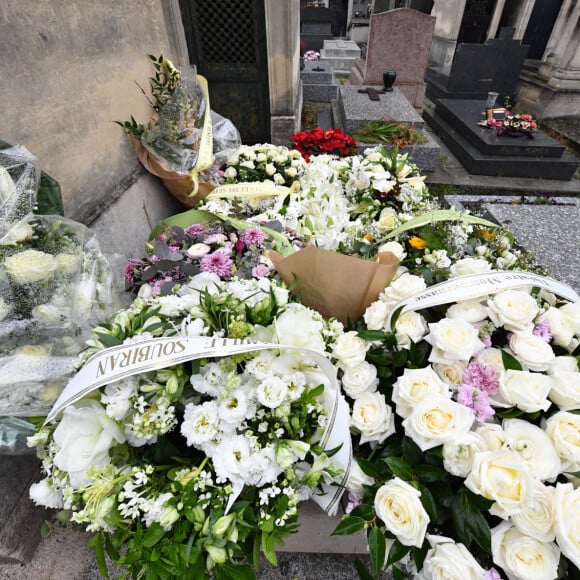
{"x": 207, "y": 244}
{"x": 400, "y": 135}
{"x": 514, "y": 125}
{"x": 54, "y": 284}
{"x": 191, "y": 467}
{"x": 467, "y": 424}
{"x": 184, "y": 143}
{"x": 318, "y": 141}
{"x": 311, "y": 55}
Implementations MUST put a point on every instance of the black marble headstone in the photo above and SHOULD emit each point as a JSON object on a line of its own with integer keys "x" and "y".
{"x": 316, "y": 28}
{"x": 492, "y": 66}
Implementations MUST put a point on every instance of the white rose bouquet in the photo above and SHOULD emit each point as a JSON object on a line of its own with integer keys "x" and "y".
{"x": 475, "y": 468}
{"x": 194, "y": 467}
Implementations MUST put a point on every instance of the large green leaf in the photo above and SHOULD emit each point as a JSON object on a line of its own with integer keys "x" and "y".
{"x": 349, "y": 525}
{"x": 377, "y": 548}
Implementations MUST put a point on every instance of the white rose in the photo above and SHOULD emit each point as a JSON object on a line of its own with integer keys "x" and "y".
{"x": 68, "y": 263}
{"x": 525, "y": 390}
{"x": 562, "y": 334}
{"x": 357, "y": 479}
{"x": 493, "y": 434}
{"x": 491, "y": 357}
{"x": 565, "y": 391}
{"x": 534, "y": 446}
{"x": 375, "y": 315}
{"x": 387, "y": 221}
{"x": 278, "y": 179}
{"x": 522, "y": 556}
{"x": 270, "y": 169}
{"x": 570, "y": 314}
{"x": 453, "y": 340}
{"x": 4, "y": 309}
{"x": 532, "y": 351}
{"x": 398, "y": 505}
{"x": 350, "y": 349}
{"x": 451, "y": 373}
{"x": 230, "y": 173}
{"x": 468, "y": 266}
{"x": 372, "y": 418}
{"x": 299, "y": 326}
{"x": 410, "y": 326}
{"x": 19, "y": 232}
{"x": 44, "y": 494}
{"x": 50, "y": 314}
{"x": 537, "y": 518}
{"x": 395, "y": 248}
{"x": 437, "y": 420}
{"x": 515, "y": 310}
{"x": 501, "y": 476}
{"x": 564, "y": 363}
{"x": 401, "y": 288}
{"x": 360, "y": 378}
{"x": 446, "y": 559}
{"x": 30, "y": 266}
{"x": 471, "y": 311}
{"x": 458, "y": 453}
{"x": 415, "y": 385}
{"x": 84, "y": 436}
{"x": 233, "y": 159}
{"x": 567, "y": 527}
{"x": 291, "y": 172}
{"x": 564, "y": 430}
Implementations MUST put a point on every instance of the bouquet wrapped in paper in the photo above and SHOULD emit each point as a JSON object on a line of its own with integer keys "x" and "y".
{"x": 185, "y": 142}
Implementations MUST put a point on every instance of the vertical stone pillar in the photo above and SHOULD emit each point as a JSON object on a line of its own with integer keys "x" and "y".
{"x": 495, "y": 19}
{"x": 283, "y": 37}
{"x": 449, "y": 14}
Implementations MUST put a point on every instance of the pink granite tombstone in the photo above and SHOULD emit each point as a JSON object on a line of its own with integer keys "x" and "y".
{"x": 399, "y": 40}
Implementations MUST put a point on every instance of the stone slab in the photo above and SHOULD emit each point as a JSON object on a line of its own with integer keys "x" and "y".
{"x": 20, "y": 519}
{"x": 341, "y": 49}
{"x": 316, "y": 72}
{"x": 357, "y": 110}
{"x": 319, "y": 93}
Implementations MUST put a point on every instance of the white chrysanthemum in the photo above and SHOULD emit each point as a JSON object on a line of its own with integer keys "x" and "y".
{"x": 201, "y": 423}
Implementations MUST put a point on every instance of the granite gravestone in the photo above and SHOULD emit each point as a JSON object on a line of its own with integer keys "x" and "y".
{"x": 314, "y": 34}
{"x": 359, "y": 105}
{"x": 399, "y": 40}
{"x": 339, "y": 54}
{"x": 319, "y": 84}
{"x": 481, "y": 68}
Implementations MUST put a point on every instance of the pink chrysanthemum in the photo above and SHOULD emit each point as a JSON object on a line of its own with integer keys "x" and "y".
{"x": 215, "y": 239}
{"x": 194, "y": 230}
{"x": 217, "y": 263}
{"x": 543, "y": 329}
{"x": 253, "y": 236}
{"x": 481, "y": 376}
{"x": 130, "y": 268}
{"x": 476, "y": 400}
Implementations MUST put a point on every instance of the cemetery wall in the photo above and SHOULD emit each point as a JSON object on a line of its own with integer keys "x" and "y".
{"x": 69, "y": 68}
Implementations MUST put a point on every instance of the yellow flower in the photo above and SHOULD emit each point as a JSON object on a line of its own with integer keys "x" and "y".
{"x": 487, "y": 235}
{"x": 418, "y": 243}
{"x": 369, "y": 238}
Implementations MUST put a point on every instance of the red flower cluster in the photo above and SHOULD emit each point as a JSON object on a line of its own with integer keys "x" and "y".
{"x": 318, "y": 141}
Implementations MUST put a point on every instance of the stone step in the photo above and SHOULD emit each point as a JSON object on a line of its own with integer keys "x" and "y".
{"x": 478, "y": 163}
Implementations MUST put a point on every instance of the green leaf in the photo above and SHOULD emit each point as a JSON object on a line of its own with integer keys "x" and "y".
{"x": 509, "y": 413}
{"x": 238, "y": 571}
{"x": 371, "y": 335}
{"x": 362, "y": 571}
{"x": 268, "y": 542}
{"x": 153, "y": 534}
{"x": 107, "y": 340}
{"x": 469, "y": 522}
{"x": 377, "y": 548}
{"x": 349, "y": 525}
{"x": 510, "y": 362}
{"x": 428, "y": 502}
{"x": 430, "y": 473}
{"x": 49, "y": 196}
{"x": 96, "y": 542}
{"x": 400, "y": 468}
{"x": 397, "y": 553}
{"x": 366, "y": 512}
{"x": 411, "y": 452}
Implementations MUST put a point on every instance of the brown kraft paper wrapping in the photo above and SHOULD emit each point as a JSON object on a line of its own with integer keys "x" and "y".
{"x": 334, "y": 284}
{"x": 179, "y": 185}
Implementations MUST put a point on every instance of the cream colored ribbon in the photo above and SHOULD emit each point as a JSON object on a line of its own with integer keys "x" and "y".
{"x": 205, "y": 152}
{"x": 475, "y": 286}
{"x": 119, "y": 362}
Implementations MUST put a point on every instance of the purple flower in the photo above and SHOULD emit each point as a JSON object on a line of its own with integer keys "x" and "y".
{"x": 217, "y": 263}
{"x": 543, "y": 329}
{"x": 253, "y": 236}
{"x": 482, "y": 377}
{"x": 492, "y": 574}
{"x": 130, "y": 268}
{"x": 260, "y": 271}
{"x": 353, "y": 502}
{"x": 215, "y": 239}
{"x": 476, "y": 400}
